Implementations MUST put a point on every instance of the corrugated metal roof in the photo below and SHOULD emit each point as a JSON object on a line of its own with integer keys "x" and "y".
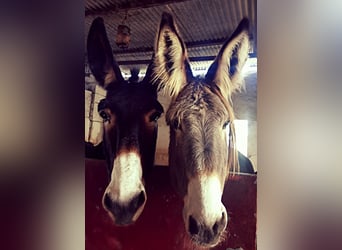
{"x": 203, "y": 24}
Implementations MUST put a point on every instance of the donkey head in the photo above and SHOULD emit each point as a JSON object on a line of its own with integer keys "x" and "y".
{"x": 199, "y": 112}
{"x": 130, "y": 112}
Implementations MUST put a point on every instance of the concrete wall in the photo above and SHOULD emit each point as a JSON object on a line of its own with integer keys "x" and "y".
{"x": 93, "y": 121}
{"x": 245, "y": 107}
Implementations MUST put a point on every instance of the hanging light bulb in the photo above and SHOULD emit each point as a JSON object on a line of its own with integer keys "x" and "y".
{"x": 123, "y": 36}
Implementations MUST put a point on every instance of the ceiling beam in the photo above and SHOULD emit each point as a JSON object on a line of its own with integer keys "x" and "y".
{"x": 189, "y": 45}
{"x": 191, "y": 59}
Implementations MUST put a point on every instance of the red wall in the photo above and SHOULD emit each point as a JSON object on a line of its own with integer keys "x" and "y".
{"x": 160, "y": 226}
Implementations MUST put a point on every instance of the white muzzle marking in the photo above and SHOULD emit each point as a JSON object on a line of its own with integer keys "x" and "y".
{"x": 203, "y": 200}
{"x": 126, "y": 177}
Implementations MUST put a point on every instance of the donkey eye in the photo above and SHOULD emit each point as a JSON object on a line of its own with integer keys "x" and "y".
{"x": 225, "y": 124}
{"x": 104, "y": 115}
{"x": 155, "y": 116}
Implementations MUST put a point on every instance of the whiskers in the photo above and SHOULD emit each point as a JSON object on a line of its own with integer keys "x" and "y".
{"x": 223, "y": 237}
{"x": 194, "y": 243}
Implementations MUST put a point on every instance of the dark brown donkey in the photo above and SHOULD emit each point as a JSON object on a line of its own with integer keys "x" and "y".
{"x": 199, "y": 113}
{"x": 130, "y": 112}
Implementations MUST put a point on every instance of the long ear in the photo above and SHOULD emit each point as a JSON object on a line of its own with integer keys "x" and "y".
{"x": 225, "y": 71}
{"x": 100, "y": 55}
{"x": 171, "y": 65}
{"x": 149, "y": 72}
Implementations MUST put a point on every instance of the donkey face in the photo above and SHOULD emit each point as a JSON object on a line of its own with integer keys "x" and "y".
{"x": 130, "y": 112}
{"x": 199, "y": 112}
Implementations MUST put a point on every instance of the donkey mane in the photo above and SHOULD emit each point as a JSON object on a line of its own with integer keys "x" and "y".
{"x": 233, "y": 162}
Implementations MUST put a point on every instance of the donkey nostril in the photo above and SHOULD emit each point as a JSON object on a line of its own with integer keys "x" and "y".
{"x": 137, "y": 202}
{"x": 219, "y": 224}
{"x": 107, "y": 201}
{"x": 141, "y": 199}
{"x": 224, "y": 218}
{"x": 215, "y": 228}
{"x": 193, "y": 228}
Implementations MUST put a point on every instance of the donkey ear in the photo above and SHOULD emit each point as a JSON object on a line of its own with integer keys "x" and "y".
{"x": 149, "y": 72}
{"x": 225, "y": 72}
{"x": 171, "y": 66}
{"x": 100, "y": 55}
